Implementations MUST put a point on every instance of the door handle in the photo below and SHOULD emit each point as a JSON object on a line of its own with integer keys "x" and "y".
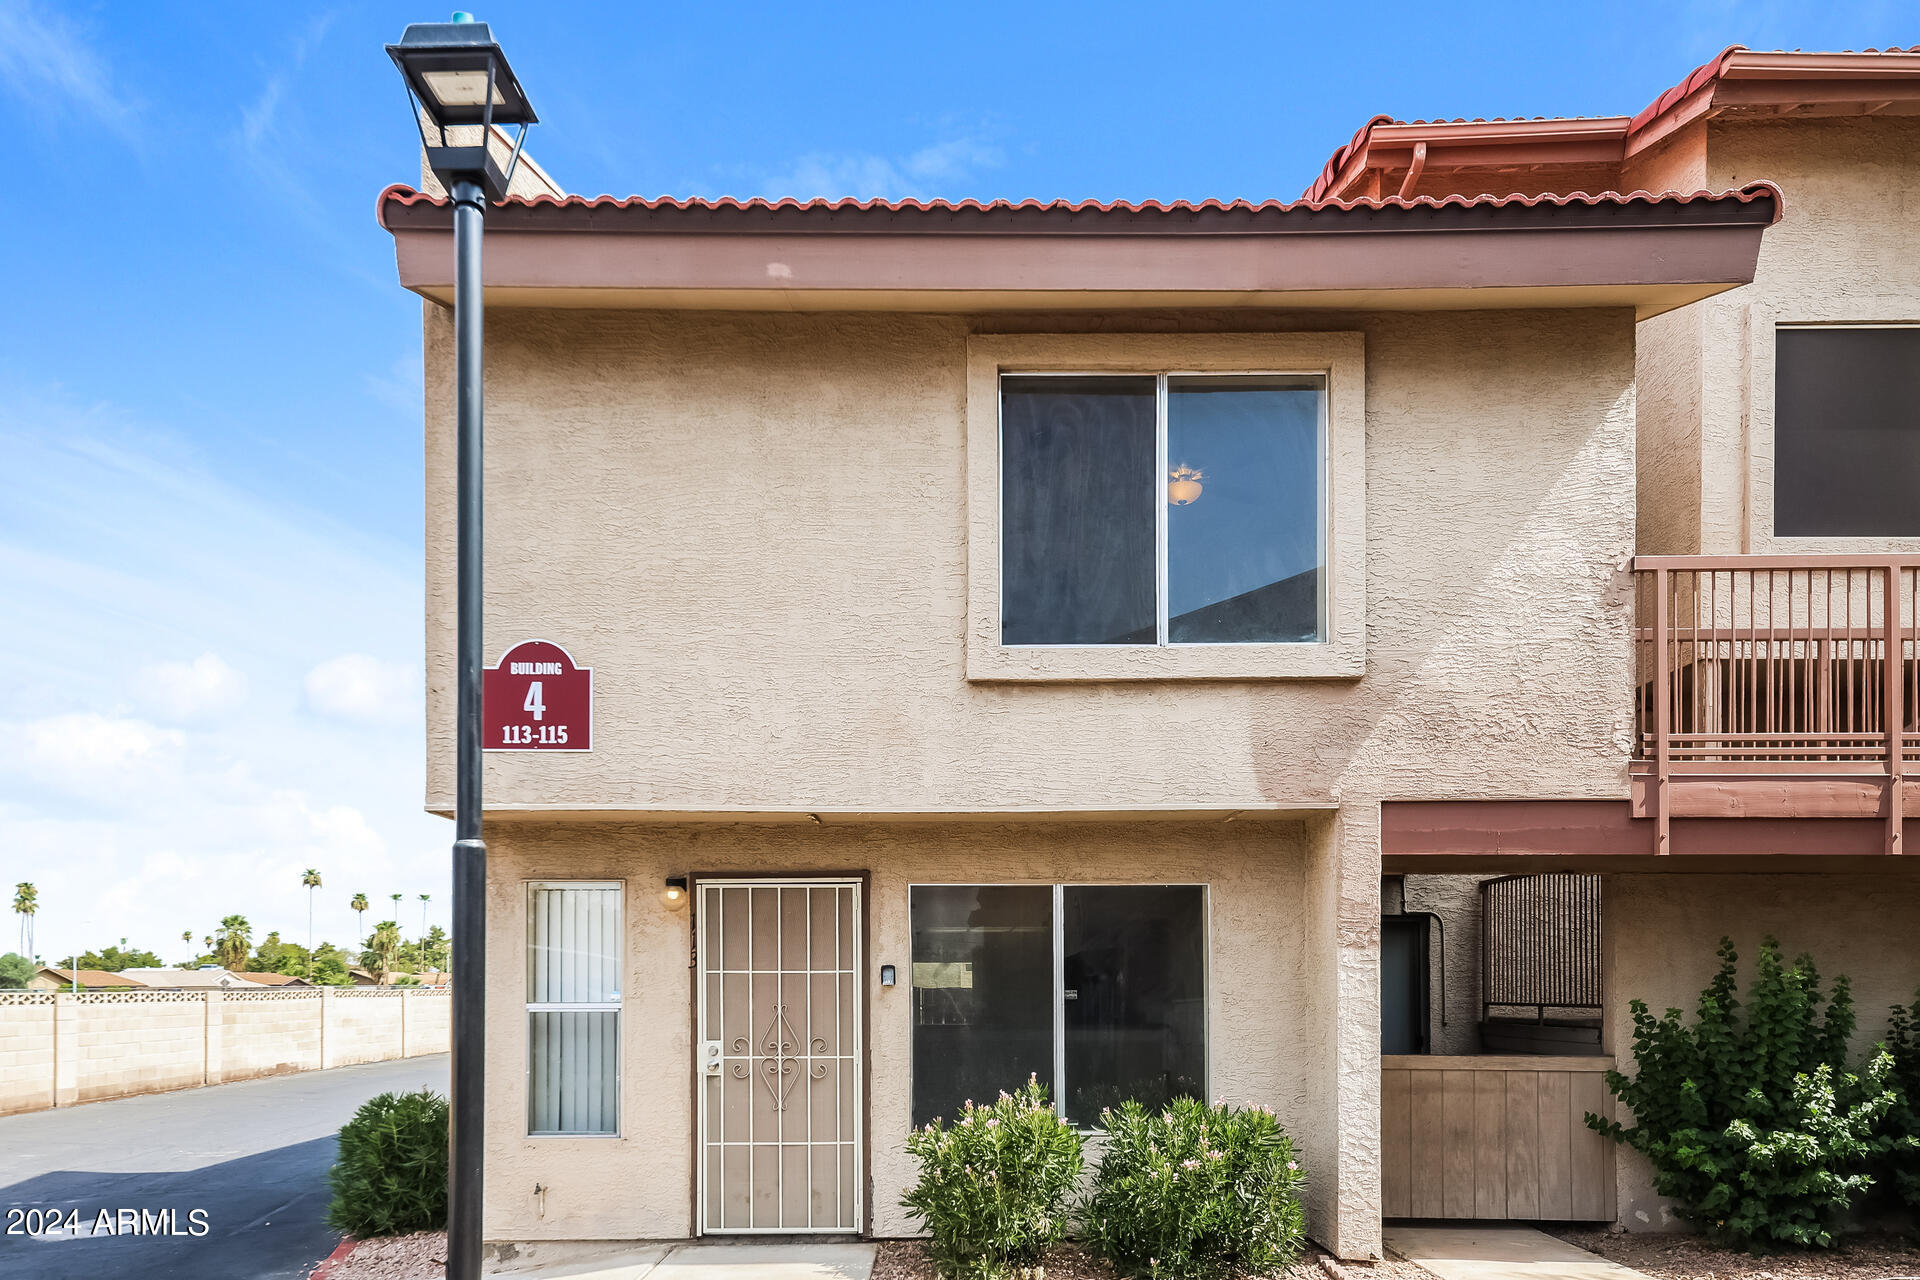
{"x": 710, "y": 1058}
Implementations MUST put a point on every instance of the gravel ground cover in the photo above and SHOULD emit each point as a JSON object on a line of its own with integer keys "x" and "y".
{"x": 423, "y": 1256}
{"x": 1668, "y": 1257}
{"x": 908, "y": 1260}
{"x": 420, "y": 1256}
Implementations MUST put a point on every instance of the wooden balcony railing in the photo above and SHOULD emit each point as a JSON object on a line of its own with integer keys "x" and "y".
{"x": 1794, "y": 677}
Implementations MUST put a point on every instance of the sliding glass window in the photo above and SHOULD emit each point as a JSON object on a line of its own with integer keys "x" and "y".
{"x": 1162, "y": 509}
{"x": 1099, "y": 991}
{"x": 573, "y": 1008}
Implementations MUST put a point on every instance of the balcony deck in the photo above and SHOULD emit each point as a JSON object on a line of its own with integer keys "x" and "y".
{"x": 1777, "y": 687}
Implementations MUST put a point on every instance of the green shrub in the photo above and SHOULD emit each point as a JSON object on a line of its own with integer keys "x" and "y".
{"x": 996, "y": 1186}
{"x": 15, "y": 971}
{"x": 390, "y": 1174}
{"x": 1752, "y": 1121}
{"x": 1903, "y": 1138}
{"x": 1195, "y": 1191}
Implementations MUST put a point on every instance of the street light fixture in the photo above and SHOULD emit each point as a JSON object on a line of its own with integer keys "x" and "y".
{"x": 457, "y": 77}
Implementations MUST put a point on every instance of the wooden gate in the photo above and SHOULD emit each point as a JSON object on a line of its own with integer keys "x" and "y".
{"x": 1495, "y": 1138}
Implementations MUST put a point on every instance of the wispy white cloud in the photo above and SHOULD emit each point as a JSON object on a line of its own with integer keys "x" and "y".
{"x": 190, "y": 691}
{"x": 361, "y": 689}
{"x": 402, "y": 387}
{"x": 271, "y": 129}
{"x": 47, "y": 62}
{"x": 937, "y": 169}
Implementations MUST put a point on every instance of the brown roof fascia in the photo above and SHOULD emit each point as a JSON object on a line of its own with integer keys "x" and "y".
{"x": 786, "y": 252}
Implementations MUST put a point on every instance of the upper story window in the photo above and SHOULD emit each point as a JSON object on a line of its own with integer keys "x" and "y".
{"x": 1846, "y": 432}
{"x": 1163, "y": 509}
{"x": 1166, "y": 506}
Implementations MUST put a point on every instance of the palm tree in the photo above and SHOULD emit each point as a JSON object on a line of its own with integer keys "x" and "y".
{"x": 311, "y": 879}
{"x": 396, "y": 908}
{"x": 423, "y": 913}
{"x": 359, "y": 908}
{"x": 382, "y": 947}
{"x": 233, "y": 942}
{"x": 26, "y": 900}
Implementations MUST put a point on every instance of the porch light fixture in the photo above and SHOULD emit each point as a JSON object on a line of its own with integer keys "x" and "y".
{"x": 1183, "y": 485}
{"x": 457, "y": 78}
{"x": 674, "y": 896}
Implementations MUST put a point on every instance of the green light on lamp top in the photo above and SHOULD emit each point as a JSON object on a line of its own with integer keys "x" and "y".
{"x": 461, "y": 15}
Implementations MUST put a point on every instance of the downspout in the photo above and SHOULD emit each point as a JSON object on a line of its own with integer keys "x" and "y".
{"x": 1414, "y": 170}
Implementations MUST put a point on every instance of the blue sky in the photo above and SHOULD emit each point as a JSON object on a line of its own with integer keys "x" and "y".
{"x": 210, "y": 387}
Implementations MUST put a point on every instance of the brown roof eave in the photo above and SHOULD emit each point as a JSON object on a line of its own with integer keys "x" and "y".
{"x": 676, "y": 253}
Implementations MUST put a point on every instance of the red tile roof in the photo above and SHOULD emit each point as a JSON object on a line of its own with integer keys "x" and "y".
{"x": 401, "y": 197}
{"x": 1671, "y": 108}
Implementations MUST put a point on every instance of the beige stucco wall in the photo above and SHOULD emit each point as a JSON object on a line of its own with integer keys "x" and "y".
{"x": 1663, "y": 930}
{"x": 752, "y": 528}
{"x": 1283, "y": 983}
{"x": 1843, "y": 252}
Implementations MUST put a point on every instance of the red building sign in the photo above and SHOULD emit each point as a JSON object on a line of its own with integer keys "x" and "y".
{"x": 537, "y": 700}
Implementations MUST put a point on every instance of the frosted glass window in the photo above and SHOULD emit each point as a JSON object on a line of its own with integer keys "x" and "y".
{"x": 573, "y": 1008}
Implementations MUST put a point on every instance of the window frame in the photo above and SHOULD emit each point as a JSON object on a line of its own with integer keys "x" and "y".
{"x": 618, "y": 1009}
{"x": 1336, "y": 357}
{"x": 1057, "y": 1092}
{"x": 1760, "y": 344}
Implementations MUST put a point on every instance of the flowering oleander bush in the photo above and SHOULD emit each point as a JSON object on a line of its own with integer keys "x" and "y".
{"x": 390, "y": 1174}
{"x": 1195, "y": 1191}
{"x": 996, "y": 1185}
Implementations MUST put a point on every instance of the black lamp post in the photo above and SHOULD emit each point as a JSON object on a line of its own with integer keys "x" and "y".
{"x": 457, "y": 77}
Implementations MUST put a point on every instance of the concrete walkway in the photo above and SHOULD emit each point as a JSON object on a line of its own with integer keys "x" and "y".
{"x": 1500, "y": 1253}
{"x": 692, "y": 1262}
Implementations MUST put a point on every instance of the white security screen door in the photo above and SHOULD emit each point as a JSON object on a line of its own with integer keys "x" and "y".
{"x": 779, "y": 1056}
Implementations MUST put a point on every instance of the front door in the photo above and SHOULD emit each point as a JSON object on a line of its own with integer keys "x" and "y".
{"x": 779, "y": 1056}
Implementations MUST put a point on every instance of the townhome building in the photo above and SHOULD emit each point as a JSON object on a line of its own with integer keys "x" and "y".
{"x": 1778, "y": 463}
{"x": 941, "y": 644}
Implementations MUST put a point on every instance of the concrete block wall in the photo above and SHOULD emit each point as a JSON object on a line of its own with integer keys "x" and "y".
{"x": 62, "y": 1048}
{"x": 268, "y": 1034}
{"x": 429, "y": 1026}
{"x": 26, "y": 1053}
{"x": 146, "y": 1042}
{"x": 366, "y": 1028}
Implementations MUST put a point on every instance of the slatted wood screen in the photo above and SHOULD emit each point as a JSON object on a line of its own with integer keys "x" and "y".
{"x": 1495, "y": 1138}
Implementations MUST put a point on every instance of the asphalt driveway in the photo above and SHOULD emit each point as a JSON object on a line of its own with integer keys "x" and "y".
{"x": 251, "y": 1157}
